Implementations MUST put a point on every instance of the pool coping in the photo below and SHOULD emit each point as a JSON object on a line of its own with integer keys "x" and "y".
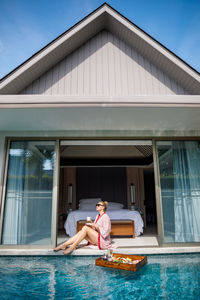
{"x": 95, "y": 252}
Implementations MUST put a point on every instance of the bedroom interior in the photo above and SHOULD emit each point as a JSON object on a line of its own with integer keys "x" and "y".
{"x": 119, "y": 174}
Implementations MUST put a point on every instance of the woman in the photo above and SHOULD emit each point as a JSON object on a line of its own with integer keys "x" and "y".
{"x": 97, "y": 233}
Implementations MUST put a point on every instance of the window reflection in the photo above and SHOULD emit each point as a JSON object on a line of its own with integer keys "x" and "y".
{"x": 28, "y": 203}
{"x": 179, "y": 165}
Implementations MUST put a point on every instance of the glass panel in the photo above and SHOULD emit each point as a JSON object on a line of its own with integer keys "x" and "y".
{"x": 28, "y": 202}
{"x": 179, "y": 164}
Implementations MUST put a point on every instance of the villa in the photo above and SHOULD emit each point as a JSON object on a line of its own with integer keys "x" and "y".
{"x": 103, "y": 111}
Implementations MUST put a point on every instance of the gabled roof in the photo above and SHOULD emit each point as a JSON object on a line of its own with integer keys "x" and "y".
{"x": 104, "y": 17}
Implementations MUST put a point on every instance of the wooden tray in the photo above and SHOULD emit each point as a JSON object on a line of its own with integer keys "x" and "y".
{"x": 123, "y": 266}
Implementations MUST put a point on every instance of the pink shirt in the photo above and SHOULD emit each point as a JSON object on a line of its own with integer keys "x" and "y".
{"x": 104, "y": 225}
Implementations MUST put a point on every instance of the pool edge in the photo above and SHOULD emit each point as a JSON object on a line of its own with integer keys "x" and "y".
{"x": 94, "y": 252}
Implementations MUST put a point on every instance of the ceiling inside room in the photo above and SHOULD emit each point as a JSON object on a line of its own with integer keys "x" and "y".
{"x": 106, "y": 155}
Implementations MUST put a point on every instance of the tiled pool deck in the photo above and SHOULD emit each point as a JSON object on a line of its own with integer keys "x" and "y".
{"x": 140, "y": 245}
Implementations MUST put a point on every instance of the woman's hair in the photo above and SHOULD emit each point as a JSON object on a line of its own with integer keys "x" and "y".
{"x": 105, "y": 203}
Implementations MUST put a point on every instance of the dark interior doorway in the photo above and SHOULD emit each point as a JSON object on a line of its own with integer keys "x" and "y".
{"x": 150, "y": 199}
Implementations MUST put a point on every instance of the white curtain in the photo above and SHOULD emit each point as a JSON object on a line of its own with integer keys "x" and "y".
{"x": 28, "y": 201}
{"x": 186, "y": 168}
{"x": 13, "y": 222}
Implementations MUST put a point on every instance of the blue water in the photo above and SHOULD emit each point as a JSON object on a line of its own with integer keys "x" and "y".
{"x": 56, "y": 277}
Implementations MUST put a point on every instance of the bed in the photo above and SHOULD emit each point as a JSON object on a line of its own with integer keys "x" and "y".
{"x": 115, "y": 211}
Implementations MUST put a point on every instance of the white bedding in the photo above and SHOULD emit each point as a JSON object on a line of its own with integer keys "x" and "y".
{"x": 121, "y": 214}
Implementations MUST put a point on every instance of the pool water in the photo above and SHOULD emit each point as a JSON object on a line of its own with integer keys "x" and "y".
{"x": 77, "y": 277}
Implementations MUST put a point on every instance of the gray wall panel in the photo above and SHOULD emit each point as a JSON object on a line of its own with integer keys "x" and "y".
{"x": 105, "y": 65}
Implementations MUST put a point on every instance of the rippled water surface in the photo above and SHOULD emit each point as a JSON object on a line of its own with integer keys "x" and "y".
{"x": 55, "y": 277}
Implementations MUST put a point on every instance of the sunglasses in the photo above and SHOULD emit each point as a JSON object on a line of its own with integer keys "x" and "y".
{"x": 99, "y": 204}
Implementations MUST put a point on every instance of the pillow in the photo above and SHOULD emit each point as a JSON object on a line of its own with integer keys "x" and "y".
{"x": 115, "y": 205}
{"x": 92, "y": 206}
{"x": 87, "y": 206}
{"x": 96, "y": 200}
{"x": 110, "y": 208}
{"x": 90, "y": 200}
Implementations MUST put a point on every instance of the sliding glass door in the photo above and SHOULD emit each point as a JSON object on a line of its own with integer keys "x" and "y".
{"x": 179, "y": 166}
{"x": 28, "y": 200}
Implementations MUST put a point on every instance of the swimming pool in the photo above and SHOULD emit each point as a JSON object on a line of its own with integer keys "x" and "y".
{"x": 59, "y": 277}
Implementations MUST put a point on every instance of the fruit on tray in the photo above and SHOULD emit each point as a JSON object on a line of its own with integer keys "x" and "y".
{"x": 127, "y": 260}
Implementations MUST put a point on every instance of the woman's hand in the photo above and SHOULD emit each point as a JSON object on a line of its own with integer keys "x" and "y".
{"x": 94, "y": 226}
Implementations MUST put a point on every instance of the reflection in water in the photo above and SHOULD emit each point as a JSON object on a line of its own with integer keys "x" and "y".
{"x": 164, "y": 277}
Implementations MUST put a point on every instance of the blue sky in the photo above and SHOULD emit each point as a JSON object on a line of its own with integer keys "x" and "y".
{"x": 28, "y": 25}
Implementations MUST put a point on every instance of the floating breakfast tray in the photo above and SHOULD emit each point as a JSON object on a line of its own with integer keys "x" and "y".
{"x": 137, "y": 262}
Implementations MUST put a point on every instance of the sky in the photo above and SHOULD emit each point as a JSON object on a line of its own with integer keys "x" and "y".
{"x": 26, "y": 26}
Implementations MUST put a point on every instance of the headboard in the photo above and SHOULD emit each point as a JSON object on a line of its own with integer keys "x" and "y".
{"x": 107, "y": 183}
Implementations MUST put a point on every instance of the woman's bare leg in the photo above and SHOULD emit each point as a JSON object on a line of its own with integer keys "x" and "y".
{"x": 64, "y": 245}
{"x": 85, "y": 233}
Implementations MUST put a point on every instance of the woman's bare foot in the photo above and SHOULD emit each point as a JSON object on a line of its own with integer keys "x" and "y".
{"x": 69, "y": 250}
{"x": 60, "y": 247}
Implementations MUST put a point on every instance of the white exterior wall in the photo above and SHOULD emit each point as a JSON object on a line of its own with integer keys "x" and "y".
{"x": 105, "y": 65}
{"x": 2, "y": 141}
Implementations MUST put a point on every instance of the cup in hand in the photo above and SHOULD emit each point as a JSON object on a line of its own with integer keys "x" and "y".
{"x": 88, "y": 219}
